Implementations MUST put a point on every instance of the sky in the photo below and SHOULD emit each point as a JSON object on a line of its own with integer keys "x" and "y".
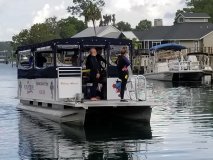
{"x": 16, "y": 15}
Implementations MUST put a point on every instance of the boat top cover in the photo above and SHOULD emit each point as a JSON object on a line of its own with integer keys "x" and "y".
{"x": 92, "y": 41}
{"x": 55, "y": 46}
{"x": 168, "y": 46}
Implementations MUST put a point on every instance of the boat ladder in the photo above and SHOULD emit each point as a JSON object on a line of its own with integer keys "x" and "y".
{"x": 137, "y": 88}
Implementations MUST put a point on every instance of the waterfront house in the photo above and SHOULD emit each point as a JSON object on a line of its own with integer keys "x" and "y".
{"x": 192, "y": 30}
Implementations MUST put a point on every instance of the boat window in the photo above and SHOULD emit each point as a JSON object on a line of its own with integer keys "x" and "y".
{"x": 114, "y": 53}
{"x": 26, "y": 60}
{"x": 44, "y": 60}
{"x": 100, "y": 51}
{"x": 68, "y": 58}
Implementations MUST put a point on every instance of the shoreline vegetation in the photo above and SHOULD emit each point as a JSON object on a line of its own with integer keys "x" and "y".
{"x": 91, "y": 11}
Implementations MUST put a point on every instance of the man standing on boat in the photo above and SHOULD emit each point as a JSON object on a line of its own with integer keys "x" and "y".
{"x": 123, "y": 63}
{"x": 40, "y": 60}
{"x": 94, "y": 66}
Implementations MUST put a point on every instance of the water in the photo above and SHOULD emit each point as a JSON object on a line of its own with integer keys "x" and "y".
{"x": 182, "y": 128}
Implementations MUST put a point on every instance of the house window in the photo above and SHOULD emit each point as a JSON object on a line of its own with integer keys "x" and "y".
{"x": 196, "y": 46}
{"x": 180, "y": 20}
{"x": 177, "y": 42}
{"x": 155, "y": 43}
{"x": 146, "y": 45}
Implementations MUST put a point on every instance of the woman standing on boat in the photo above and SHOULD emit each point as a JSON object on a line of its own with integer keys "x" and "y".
{"x": 123, "y": 63}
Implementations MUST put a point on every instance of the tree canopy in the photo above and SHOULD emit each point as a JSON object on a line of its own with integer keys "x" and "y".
{"x": 50, "y": 29}
{"x": 144, "y": 25}
{"x": 123, "y": 26}
{"x": 89, "y": 9}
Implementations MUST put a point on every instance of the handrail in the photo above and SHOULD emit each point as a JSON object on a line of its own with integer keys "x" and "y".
{"x": 184, "y": 65}
{"x": 138, "y": 85}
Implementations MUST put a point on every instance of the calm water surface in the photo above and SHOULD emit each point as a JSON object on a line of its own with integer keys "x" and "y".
{"x": 182, "y": 128}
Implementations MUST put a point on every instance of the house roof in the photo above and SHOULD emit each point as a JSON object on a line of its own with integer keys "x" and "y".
{"x": 103, "y": 31}
{"x": 112, "y": 35}
{"x": 195, "y": 15}
{"x": 183, "y": 31}
{"x": 155, "y": 33}
{"x": 130, "y": 35}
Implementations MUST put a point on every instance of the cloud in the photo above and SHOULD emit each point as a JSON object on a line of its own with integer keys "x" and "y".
{"x": 49, "y": 11}
{"x": 41, "y": 15}
{"x": 19, "y": 14}
{"x": 135, "y": 10}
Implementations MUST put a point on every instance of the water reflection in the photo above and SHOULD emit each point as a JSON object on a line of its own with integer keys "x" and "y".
{"x": 182, "y": 128}
{"x": 39, "y": 138}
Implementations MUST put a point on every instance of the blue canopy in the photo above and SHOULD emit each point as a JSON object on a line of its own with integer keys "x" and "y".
{"x": 168, "y": 46}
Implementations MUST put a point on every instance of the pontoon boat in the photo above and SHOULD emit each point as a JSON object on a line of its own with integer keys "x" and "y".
{"x": 60, "y": 90}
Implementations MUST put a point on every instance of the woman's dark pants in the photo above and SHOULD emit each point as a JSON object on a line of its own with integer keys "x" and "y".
{"x": 123, "y": 86}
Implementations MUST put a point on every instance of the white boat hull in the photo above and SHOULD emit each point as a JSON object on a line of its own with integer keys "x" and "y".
{"x": 164, "y": 76}
{"x": 176, "y": 76}
{"x": 89, "y": 112}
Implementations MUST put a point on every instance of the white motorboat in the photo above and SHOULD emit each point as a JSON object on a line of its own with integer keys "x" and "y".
{"x": 173, "y": 67}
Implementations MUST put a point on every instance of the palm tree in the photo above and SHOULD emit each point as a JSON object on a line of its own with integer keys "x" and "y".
{"x": 92, "y": 13}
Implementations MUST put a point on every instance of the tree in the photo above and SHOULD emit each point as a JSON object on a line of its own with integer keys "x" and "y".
{"x": 42, "y": 32}
{"x": 144, "y": 25}
{"x": 93, "y": 13}
{"x": 50, "y": 29}
{"x": 20, "y": 39}
{"x": 113, "y": 19}
{"x": 90, "y": 9}
{"x": 70, "y": 26}
{"x": 107, "y": 19}
{"x": 123, "y": 26}
{"x": 135, "y": 43}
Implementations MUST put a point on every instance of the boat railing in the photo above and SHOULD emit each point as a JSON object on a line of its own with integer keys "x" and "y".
{"x": 137, "y": 88}
{"x": 208, "y": 50}
{"x": 184, "y": 66}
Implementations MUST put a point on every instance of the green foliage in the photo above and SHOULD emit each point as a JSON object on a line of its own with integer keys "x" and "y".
{"x": 144, "y": 25}
{"x": 89, "y": 9}
{"x": 136, "y": 44}
{"x": 50, "y": 29}
{"x": 70, "y": 26}
{"x": 21, "y": 39}
{"x": 85, "y": 8}
{"x": 93, "y": 13}
{"x": 123, "y": 26}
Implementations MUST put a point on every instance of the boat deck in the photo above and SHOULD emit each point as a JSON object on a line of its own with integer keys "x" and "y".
{"x": 93, "y": 104}
{"x": 115, "y": 103}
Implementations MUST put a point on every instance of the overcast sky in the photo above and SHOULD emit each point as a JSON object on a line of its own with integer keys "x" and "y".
{"x": 16, "y": 15}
